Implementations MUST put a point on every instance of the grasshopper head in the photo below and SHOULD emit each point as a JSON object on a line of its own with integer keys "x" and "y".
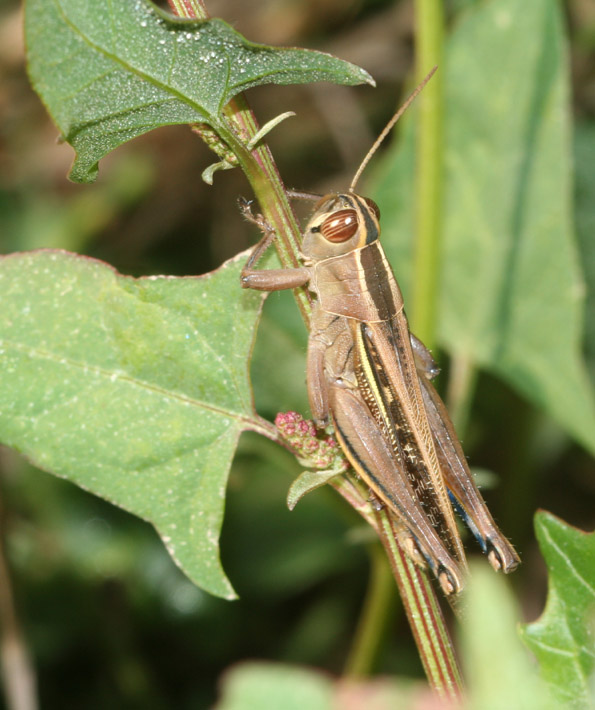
{"x": 340, "y": 224}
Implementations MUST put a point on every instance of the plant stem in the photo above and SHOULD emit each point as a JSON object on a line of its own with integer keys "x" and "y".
{"x": 461, "y": 385}
{"x": 423, "y": 611}
{"x": 424, "y": 614}
{"x": 192, "y": 9}
{"x": 16, "y": 667}
{"x": 372, "y": 625}
{"x": 420, "y": 603}
{"x": 259, "y": 167}
{"x": 429, "y": 35}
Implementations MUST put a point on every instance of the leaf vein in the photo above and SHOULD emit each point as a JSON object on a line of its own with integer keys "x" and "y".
{"x": 126, "y": 65}
{"x": 247, "y": 420}
{"x": 569, "y": 563}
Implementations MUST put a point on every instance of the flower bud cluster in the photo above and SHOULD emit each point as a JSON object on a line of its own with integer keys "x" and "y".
{"x": 313, "y": 450}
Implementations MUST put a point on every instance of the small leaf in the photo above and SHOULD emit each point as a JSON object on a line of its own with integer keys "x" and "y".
{"x": 208, "y": 172}
{"x": 267, "y": 128}
{"x": 562, "y": 639}
{"x": 306, "y": 482}
{"x": 135, "y": 389}
{"x": 111, "y": 70}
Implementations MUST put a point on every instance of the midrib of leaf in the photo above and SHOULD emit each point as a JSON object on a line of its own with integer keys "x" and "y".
{"x": 568, "y": 563}
{"x": 560, "y": 637}
{"x": 555, "y": 649}
{"x": 579, "y": 670}
{"x": 133, "y": 70}
{"x": 253, "y": 423}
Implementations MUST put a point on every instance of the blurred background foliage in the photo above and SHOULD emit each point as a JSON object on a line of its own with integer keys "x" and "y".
{"x": 109, "y": 619}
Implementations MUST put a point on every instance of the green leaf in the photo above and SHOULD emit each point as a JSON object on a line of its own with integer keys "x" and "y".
{"x": 260, "y": 686}
{"x": 268, "y": 686}
{"x": 562, "y": 639}
{"x": 111, "y": 70}
{"x": 498, "y": 668}
{"x": 135, "y": 389}
{"x": 512, "y": 292}
{"x": 307, "y": 482}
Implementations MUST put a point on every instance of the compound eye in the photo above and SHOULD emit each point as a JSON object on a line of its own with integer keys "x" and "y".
{"x": 339, "y": 226}
{"x": 373, "y": 206}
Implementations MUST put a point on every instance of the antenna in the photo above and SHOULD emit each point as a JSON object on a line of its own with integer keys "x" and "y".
{"x": 388, "y": 127}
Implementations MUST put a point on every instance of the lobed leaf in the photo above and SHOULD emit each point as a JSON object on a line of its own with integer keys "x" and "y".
{"x": 110, "y": 70}
{"x": 135, "y": 389}
{"x": 562, "y": 639}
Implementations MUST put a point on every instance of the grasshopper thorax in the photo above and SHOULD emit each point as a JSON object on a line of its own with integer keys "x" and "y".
{"x": 340, "y": 224}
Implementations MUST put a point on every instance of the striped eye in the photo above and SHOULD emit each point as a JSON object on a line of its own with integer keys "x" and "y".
{"x": 339, "y": 226}
{"x": 373, "y": 206}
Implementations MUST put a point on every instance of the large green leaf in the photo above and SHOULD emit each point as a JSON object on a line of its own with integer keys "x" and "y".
{"x": 111, "y": 70}
{"x": 512, "y": 292}
{"x": 136, "y": 389}
{"x": 562, "y": 639}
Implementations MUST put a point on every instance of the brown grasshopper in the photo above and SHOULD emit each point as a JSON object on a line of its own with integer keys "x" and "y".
{"x": 368, "y": 374}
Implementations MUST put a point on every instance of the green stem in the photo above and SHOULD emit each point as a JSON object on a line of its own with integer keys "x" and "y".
{"x": 461, "y": 386}
{"x": 429, "y": 17}
{"x": 236, "y": 128}
{"x": 425, "y": 617}
{"x": 192, "y": 9}
{"x": 420, "y": 603}
{"x": 423, "y": 612}
{"x": 372, "y": 625}
{"x": 16, "y": 666}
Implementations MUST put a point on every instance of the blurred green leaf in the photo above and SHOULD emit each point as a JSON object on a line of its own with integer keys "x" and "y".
{"x": 136, "y": 389}
{"x": 512, "y": 292}
{"x": 111, "y": 70}
{"x": 498, "y": 669}
{"x": 260, "y": 686}
{"x": 562, "y": 639}
{"x": 268, "y": 686}
{"x": 39, "y": 219}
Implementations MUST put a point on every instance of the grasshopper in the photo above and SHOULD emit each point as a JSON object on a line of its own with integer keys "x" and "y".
{"x": 370, "y": 376}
